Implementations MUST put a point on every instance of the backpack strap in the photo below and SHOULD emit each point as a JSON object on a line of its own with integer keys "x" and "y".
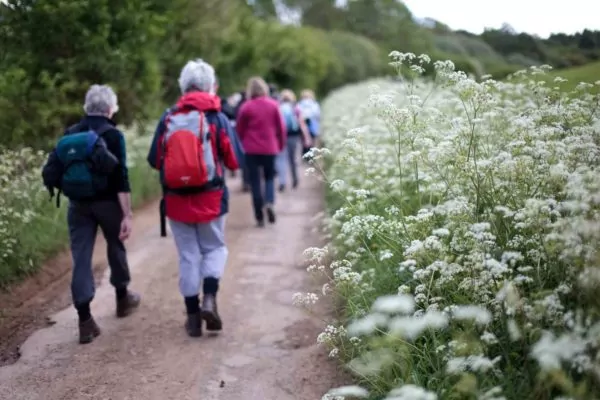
{"x": 216, "y": 118}
{"x": 104, "y": 129}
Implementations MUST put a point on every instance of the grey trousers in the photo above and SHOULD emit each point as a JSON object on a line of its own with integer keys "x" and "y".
{"x": 202, "y": 253}
{"x": 84, "y": 220}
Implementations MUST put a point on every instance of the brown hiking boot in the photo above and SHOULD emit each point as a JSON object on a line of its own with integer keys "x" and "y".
{"x": 193, "y": 325}
{"x": 127, "y": 304}
{"x": 210, "y": 314}
{"x": 88, "y": 331}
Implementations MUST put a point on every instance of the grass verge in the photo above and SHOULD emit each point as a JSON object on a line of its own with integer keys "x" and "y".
{"x": 31, "y": 227}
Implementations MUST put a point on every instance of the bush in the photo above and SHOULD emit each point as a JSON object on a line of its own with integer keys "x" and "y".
{"x": 31, "y": 227}
{"x": 358, "y": 58}
{"x": 140, "y": 48}
{"x": 83, "y": 42}
{"x": 464, "y": 237}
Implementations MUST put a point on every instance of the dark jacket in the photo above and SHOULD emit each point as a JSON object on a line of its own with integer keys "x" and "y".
{"x": 118, "y": 180}
{"x": 227, "y": 109}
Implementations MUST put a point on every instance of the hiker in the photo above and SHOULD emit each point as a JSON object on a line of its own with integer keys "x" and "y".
{"x": 236, "y": 100}
{"x": 191, "y": 148}
{"x": 229, "y": 111}
{"x": 312, "y": 113}
{"x": 273, "y": 91}
{"x": 96, "y": 181}
{"x": 244, "y": 168}
{"x": 261, "y": 130}
{"x": 297, "y": 135}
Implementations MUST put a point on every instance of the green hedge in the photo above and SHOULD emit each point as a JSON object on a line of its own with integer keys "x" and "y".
{"x": 139, "y": 48}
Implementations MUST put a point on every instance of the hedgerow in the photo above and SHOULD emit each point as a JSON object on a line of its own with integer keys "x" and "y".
{"x": 464, "y": 236}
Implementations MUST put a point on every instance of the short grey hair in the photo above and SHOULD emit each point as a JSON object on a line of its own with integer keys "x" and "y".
{"x": 197, "y": 75}
{"x": 100, "y": 100}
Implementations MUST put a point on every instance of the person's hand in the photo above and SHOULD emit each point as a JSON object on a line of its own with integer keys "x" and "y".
{"x": 126, "y": 227}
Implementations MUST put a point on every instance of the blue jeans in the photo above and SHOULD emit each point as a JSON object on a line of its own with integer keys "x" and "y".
{"x": 255, "y": 163}
{"x": 288, "y": 157}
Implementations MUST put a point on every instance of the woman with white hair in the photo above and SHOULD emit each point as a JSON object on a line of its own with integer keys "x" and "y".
{"x": 109, "y": 207}
{"x": 191, "y": 148}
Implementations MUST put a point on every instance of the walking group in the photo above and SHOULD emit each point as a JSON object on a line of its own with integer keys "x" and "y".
{"x": 196, "y": 141}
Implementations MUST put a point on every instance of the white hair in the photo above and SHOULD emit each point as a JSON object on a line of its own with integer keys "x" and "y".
{"x": 100, "y": 100}
{"x": 197, "y": 75}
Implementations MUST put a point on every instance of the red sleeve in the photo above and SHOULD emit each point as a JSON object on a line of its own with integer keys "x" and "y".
{"x": 228, "y": 152}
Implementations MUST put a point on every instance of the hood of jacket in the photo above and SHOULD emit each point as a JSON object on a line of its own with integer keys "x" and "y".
{"x": 200, "y": 101}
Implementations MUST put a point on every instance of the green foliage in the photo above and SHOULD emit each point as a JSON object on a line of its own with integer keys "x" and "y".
{"x": 31, "y": 227}
{"x": 52, "y": 51}
{"x": 589, "y": 73}
{"x": 358, "y": 58}
{"x": 61, "y": 48}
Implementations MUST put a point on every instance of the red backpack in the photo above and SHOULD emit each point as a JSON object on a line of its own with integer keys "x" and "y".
{"x": 189, "y": 163}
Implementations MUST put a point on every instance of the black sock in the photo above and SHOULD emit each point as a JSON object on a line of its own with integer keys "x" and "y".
{"x": 192, "y": 304}
{"x": 121, "y": 293}
{"x": 210, "y": 286}
{"x": 83, "y": 310}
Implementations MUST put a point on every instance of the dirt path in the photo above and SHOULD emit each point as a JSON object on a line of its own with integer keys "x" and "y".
{"x": 267, "y": 350}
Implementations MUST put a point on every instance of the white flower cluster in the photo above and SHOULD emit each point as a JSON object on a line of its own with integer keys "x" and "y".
{"x": 465, "y": 233}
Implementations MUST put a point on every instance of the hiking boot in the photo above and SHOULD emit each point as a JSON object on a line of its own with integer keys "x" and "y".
{"x": 193, "y": 325}
{"x": 210, "y": 314}
{"x": 88, "y": 331}
{"x": 270, "y": 214}
{"x": 127, "y": 304}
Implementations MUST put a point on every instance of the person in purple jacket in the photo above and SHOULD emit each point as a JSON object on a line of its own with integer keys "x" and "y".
{"x": 261, "y": 130}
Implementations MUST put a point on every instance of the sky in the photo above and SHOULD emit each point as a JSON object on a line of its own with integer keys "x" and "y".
{"x": 538, "y": 17}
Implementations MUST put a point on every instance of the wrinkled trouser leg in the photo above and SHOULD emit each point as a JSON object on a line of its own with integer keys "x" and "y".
{"x": 254, "y": 167}
{"x": 82, "y": 235}
{"x": 292, "y": 150}
{"x": 281, "y": 166}
{"x": 109, "y": 215}
{"x": 211, "y": 240}
{"x": 202, "y": 255}
{"x": 186, "y": 241}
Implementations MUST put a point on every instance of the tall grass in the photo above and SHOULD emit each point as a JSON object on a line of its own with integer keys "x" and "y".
{"x": 31, "y": 227}
{"x": 465, "y": 236}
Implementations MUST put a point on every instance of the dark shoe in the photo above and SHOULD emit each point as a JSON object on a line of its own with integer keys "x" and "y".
{"x": 193, "y": 325}
{"x": 88, "y": 331}
{"x": 295, "y": 184}
{"x": 210, "y": 314}
{"x": 281, "y": 188}
{"x": 245, "y": 188}
{"x": 260, "y": 224}
{"x": 270, "y": 214}
{"x": 127, "y": 304}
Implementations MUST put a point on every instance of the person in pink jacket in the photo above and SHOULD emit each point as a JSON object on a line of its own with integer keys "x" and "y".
{"x": 262, "y": 132}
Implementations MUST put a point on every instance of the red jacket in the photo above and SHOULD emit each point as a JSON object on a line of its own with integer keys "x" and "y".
{"x": 201, "y": 207}
{"x": 260, "y": 126}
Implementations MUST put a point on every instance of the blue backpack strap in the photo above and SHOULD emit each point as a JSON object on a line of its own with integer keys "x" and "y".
{"x": 214, "y": 117}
